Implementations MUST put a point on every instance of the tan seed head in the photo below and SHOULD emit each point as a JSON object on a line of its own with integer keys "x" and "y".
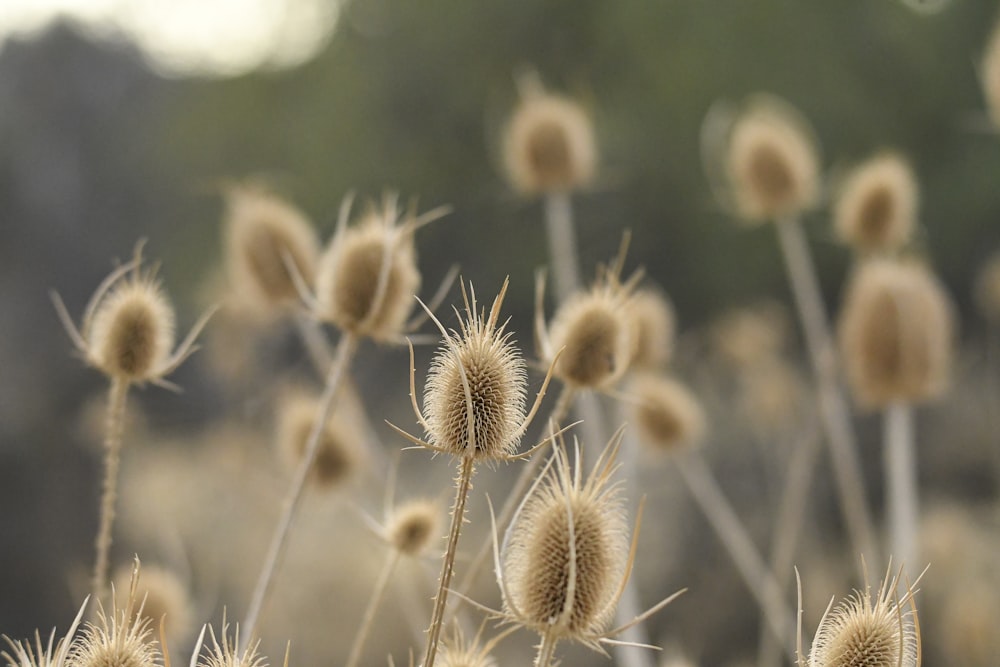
{"x": 227, "y": 654}
{"x": 549, "y": 145}
{"x": 876, "y": 207}
{"x": 164, "y": 596}
{"x": 413, "y": 526}
{"x": 338, "y": 457}
{"x": 653, "y": 317}
{"x": 771, "y": 162}
{"x": 895, "y": 333}
{"x": 666, "y": 414}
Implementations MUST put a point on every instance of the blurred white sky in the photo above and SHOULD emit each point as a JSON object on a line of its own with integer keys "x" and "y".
{"x": 191, "y": 36}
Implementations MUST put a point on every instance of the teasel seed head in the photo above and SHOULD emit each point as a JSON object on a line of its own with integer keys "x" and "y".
{"x": 227, "y": 653}
{"x": 122, "y": 637}
{"x": 51, "y": 654}
{"x": 263, "y": 233}
{"x": 746, "y": 336}
{"x": 567, "y": 552}
{"x": 368, "y": 275}
{"x": 771, "y": 161}
{"x": 667, "y": 415}
{"x": 549, "y": 144}
{"x": 869, "y": 630}
{"x": 653, "y": 318}
{"x": 457, "y": 651}
{"x": 339, "y": 455}
{"x": 876, "y": 207}
{"x": 482, "y": 358}
{"x": 164, "y": 596}
{"x": 413, "y": 526}
{"x": 895, "y": 333}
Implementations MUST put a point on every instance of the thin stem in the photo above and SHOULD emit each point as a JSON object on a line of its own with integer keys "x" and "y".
{"x": 369, "y": 617}
{"x": 546, "y": 651}
{"x": 563, "y": 255}
{"x": 464, "y": 482}
{"x": 338, "y": 370}
{"x": 733, "y": 536}
{"x": 900, "y": 470}
{"x": 113, "y": 435}
{"x": 787, "y": 529}
{"x": 832, "y": 404}
{"x": 521, "y": 484}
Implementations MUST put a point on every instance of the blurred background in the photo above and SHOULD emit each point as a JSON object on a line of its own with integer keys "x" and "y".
{"x": 120, "y": 119}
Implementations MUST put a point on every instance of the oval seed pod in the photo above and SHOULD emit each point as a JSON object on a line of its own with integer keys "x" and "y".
{"x": 413, "y": 526}
{"x": 262, "y": 233}
{"x": 338, "y": 457}
{"x": 483, "y": 358}
{"x": 771, "y": 161}
{"x": 132, "y": 331}
{"x": 666, "y": 414}
{"x": 653, "y": 317}
{"x": 368, "y": 275}
{"x": 567, "y": 529}
{"x": 876, "y": 208}
{"x": 163, "y": 595}
{"x": 549, "y": 145}
{"x": 895, "y": 333}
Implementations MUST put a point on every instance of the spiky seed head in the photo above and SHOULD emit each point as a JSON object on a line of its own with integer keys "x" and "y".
{"x": 771, "y": 161}
{"x": 895, "y": 333}
{"x": 989, "y": 70}
{"x": 567, "y": 526}
{"x": 121, "y": 637}
{"x": 549, "y": 145}
{"x": 482, "y": 358}
{"x": 368, "y": 275}
{"x": 457, "y": 651}
{"x": 132, "y": 331}
{"x": 988, "y": 289}
{"x": 163, "y": 595}
{"x": 667, "y": 415}
{"x": 413, "y": 526}
{"x": 653, "y": 318}
{"x": 226, "y": 653}
{"x": 869, "y": 630}
{"x": 338, "y": 457}
{"x": 262, "y": 233}
{"x": 50, "y": 654}
{"x": 876, "y": 208}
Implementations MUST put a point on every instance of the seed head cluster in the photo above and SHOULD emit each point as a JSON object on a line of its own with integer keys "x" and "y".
{"x": 895, "y": 333}
{"x": 263, "y": 233}
{"x": 876, "y": 208}
{"x": 474, "y": 398}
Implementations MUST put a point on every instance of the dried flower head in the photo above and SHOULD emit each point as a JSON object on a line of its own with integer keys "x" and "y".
{"x": 594, "y": 330}
{"x": 667, "y": 415}
{"x": 227, "y": 653}
{"x": 165, "y": 598}
{"x": 127, "y": 331}
{"x": 565, "y": 558}
{"x": 771, "y": 161}
{"x": 549, "y": 144}
{"x": 867, "y": 631}
{"x": 339, "y": 454}
{"x": 457, "y": 651}
{"x": 263, "y": 233}
{"x": 122, "y": 637}
{"x": 413, "y": 526}
{"x": 876, "y": 207}
{"x": 989, "y": 71}
{"x": 895, "y": 333}
{"x": 24, "y": 654}
{"x": 368, "y": 275}
{"x": 653, "y": 318}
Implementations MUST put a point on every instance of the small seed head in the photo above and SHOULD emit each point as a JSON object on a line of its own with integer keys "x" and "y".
{"x": 478, "y": 369}
{"x": 771, "y": 162}
{"x": 876, "y": 208}
{"x": 132, "y": 332}
{"x": 226, "y": 653}
{"x": 549, "y": 145}
{"x": 667, "y": 415}
{"x": 895, "y": 333}
{"x": 368, "y": 276}
{"x": 263, "y": 233}
{"x": 163, "y": 595}
{"x": 567, "y": 526}
{"x": 653, "y": 318}
{"x": 413, "y": 526}
{"x": 338, "y": 457}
